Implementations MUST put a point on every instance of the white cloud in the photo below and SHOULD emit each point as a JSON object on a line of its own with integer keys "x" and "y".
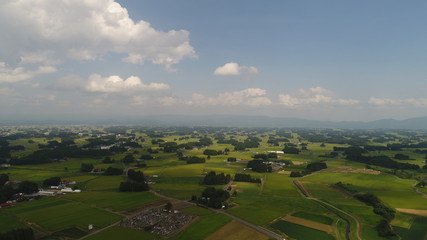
{"x": 46, "y": 31}
{"x": 420, "y": 102}
{"x": 232, "y": 68}
{"x": 253, "y": 97}
{"x": 312, "y": 96}
{"x": 11, "y": 75}
{"x": 112, "y": 84}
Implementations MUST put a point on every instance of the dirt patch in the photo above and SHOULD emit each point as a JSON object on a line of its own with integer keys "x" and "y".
{"x": 309, "y": 224}
{"x": 298, "y": 162}
{"x": 413, "y": 211}
{"x": 347, "y": 169}
{"x": 284, "y": 172}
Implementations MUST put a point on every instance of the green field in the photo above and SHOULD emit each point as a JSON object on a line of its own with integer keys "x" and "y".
{"x": 300, "y": 232}
{"x": 204, "y": 227}
{"x": 117, "y": 232}
{"x": 418, "y": 230}
{"x": 9, "y": 222}
{"x": 56, "y": 214}
{"x": 116, "y": 201}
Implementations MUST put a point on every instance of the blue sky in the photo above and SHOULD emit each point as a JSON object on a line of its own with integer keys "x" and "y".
{"x": 325, "y": 60}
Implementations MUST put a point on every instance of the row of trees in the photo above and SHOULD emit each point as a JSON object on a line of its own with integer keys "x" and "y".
{"x": 241, "y": 177}
{"x": 384, "y": 228}
{"x": 311, "y": 167}
{"x": 355, "y": 154}
{"x": 216, "y": 179}
{"x": 135, "y": 183}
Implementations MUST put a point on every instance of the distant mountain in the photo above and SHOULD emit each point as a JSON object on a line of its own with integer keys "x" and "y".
{"x": 229, "y": 121}
{"x": 264, "y": 121}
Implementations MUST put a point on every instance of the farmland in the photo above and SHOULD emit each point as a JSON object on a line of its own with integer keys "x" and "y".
{"x": 330, "y": 168}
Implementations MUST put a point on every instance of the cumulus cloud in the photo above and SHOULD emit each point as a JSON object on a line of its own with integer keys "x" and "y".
{"x": 111, "y": 84}
{"x": 11, "y": 75}
{"x": 232, "y": 68}
{"x": 420, "y": 102}
{"x": 253, "y": 97}
{"x": 312, "y": 96}
{"x": 45, "y": 31}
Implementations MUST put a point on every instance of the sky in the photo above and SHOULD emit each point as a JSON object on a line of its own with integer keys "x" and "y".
{"x": 319, "y": 60}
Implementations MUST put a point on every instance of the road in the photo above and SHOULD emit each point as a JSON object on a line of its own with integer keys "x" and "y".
{"x": 338, "y": 212}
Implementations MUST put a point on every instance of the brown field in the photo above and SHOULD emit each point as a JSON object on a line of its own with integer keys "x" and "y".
{"x": 298, "y": 162}
{"x": 413, "y": 211}
{"x": 308, "y": 223}
{"x": 237, "y": 231}
{"x": 347, "y": 169}
{"x": 284, "y": 172}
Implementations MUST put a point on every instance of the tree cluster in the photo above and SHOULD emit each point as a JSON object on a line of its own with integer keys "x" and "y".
{"x": 216, "y": 179}
{"x": 18, "y": 234}
{"x": 215, "y": 198}
{"x": 212, "y": 152}
{"x": 384, "y": 228}
{"x": 355, "y": 154}
{"x": 315, "y": 166}
{"x": 136, "y": 182}
{"x": 86, "y": 167}
{"x": 112, "y": 171}
{"x": 241, "y": 177}
{"x": 259, "y": 166}
{"x": 53, "y": 181}
{"x": 291, "y": 150}
{"x": 49, "y": 155}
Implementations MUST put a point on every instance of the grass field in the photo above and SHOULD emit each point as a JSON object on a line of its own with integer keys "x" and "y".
{"x": 9, "y": 222}
{"x": 117, "y": 232}
{"x": 204, "y": 227}
{"x": 236, "y": 231}
{"x": 314, "y": 217}
{"x": 116, "y": 201}
{"x": 261, "y": 209}
{"x": 418, "y": 230}
{"x": 56, "y": 214}
{"x": 300, "y": 232}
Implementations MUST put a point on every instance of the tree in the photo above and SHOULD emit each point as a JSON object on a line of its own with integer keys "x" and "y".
{"x": 111, "y": 171}
{"x": 259, "y": 166}
{"x": 3, "y": 179}
{"x": 168, "y": 206}
{"x": 28, "y": 187}
{"x": 136, "y": 176}
{"x": 86, "y": 167}
{"x": 53, "y": 181}
{"x": 316, "y": 166}
{"x": 231, "y": 159}
{"x": 129, "y": 159}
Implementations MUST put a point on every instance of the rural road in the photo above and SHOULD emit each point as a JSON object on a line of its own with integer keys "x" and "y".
{"x": 332, "y": 209}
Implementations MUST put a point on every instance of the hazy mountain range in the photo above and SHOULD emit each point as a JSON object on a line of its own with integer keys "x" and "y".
{"x": 225, "y": 121}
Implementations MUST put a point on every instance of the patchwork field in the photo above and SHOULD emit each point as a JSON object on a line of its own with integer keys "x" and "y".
{"x": 300, "y": 232}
